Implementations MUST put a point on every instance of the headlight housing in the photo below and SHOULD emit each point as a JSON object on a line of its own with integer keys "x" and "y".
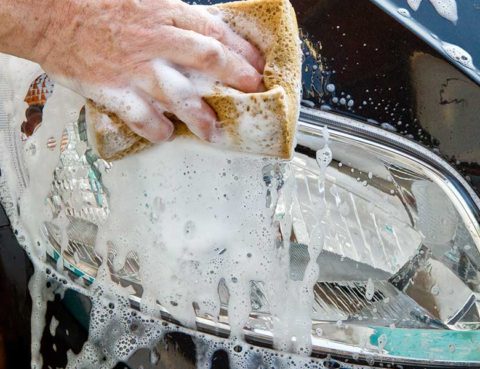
{"x": 399, "y": 271}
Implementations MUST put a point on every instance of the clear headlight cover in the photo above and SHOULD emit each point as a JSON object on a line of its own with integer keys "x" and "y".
{"x": 399, "y": 265}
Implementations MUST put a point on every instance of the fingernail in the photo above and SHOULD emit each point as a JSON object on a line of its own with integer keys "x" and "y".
{"x": 164, "y": 132}
{"x": 170, "y": 131}
{"x": 260, "y": 64}
{"x": 211, "y": 125}
{"x": 215, "y": 134}
{"x": 202, "y": 130}
{"x": 172, "y": 137}
{"x": 259, "y": 83}
{"x": 214, "y": 130}
{"x": 250, "y": 81}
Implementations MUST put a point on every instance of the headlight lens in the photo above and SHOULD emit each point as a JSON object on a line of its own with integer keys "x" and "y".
{"x": 401, "y": 255}
{"x": 398, "y": 256}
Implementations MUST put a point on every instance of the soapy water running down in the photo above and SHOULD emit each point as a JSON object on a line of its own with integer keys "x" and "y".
{"x": 203, "y": 224}
{"x": 445, "y": 8}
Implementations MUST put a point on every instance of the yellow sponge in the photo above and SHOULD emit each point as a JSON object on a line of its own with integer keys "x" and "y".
{"x": 261, "y": 123}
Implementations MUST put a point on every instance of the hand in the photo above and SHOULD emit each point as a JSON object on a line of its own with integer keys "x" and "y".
{"x": 127, "y": 55}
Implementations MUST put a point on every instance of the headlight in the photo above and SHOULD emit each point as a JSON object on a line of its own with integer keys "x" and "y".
{"x": 399, "y": 272}
{"x": 393, "y": 231}
{"x": 399, "y": 269}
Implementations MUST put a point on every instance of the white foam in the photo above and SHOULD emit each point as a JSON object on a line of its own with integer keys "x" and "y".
{"x": 53, "y": 326}
{"x": 331, "y": 87}
{"x": 179, "y": 217}
{"x": 414, "y": 4}
{"x": 458, "y": 54}
{"x": 40, "y": 296}
{"x": 445, "y": 8}
{"x": 258, "y": 128}
{"x": 405, "y": 13}
{"x": 196, "y": 216}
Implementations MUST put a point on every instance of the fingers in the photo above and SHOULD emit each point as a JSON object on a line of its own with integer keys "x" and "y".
{"x": 155, "y": 130}
{"x": 198, "y": 19}
{"x": 172, "y": 92}
{"x": 244, "y": 48}
{"x": 193, "y": 50}
{"x": 140, "y": 116}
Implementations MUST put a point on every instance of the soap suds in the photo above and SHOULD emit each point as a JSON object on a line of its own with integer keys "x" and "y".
{"x": 445, "y": 8}
{"x": 199, "y": 220}
{"x": 458, "y": 54}
{"x": 414, "y": 4}
{"x": 53, "y": 326}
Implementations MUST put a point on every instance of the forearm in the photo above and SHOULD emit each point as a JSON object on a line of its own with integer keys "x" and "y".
{"x": 23, "y": 24}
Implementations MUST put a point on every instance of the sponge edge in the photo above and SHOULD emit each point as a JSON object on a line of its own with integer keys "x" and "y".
{"x": 260, "y": 123}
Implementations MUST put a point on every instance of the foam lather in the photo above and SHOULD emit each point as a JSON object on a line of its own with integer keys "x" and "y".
{"x": 261, "y": 123}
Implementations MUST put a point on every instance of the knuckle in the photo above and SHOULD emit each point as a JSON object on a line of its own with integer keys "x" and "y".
{"x": 213, "y": 57}
{"x": 214, "y": 29}
{"x": 249, "y": 80}
{"x": 138, "y": 125}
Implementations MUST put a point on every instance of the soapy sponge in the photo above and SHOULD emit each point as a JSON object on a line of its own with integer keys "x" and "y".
{"x": 260, "y": 123}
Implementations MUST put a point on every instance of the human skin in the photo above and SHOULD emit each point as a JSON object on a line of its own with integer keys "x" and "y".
{"x": 132, "y": 56}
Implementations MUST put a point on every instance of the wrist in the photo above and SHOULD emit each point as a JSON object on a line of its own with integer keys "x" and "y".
{"x": 55, "y": 30}
{"x": 24, "y": 23}
{"x": 71, "y": 26}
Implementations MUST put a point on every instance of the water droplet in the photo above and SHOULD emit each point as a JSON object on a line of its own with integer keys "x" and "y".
{"x": 388, "y": 127}
{"x": 330, "y": 87}
{"x": 458, "y": 54}
{"x": 369, "y": 290}
{"x": 382, "y": 341}
{"x": 189, "y": 229}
